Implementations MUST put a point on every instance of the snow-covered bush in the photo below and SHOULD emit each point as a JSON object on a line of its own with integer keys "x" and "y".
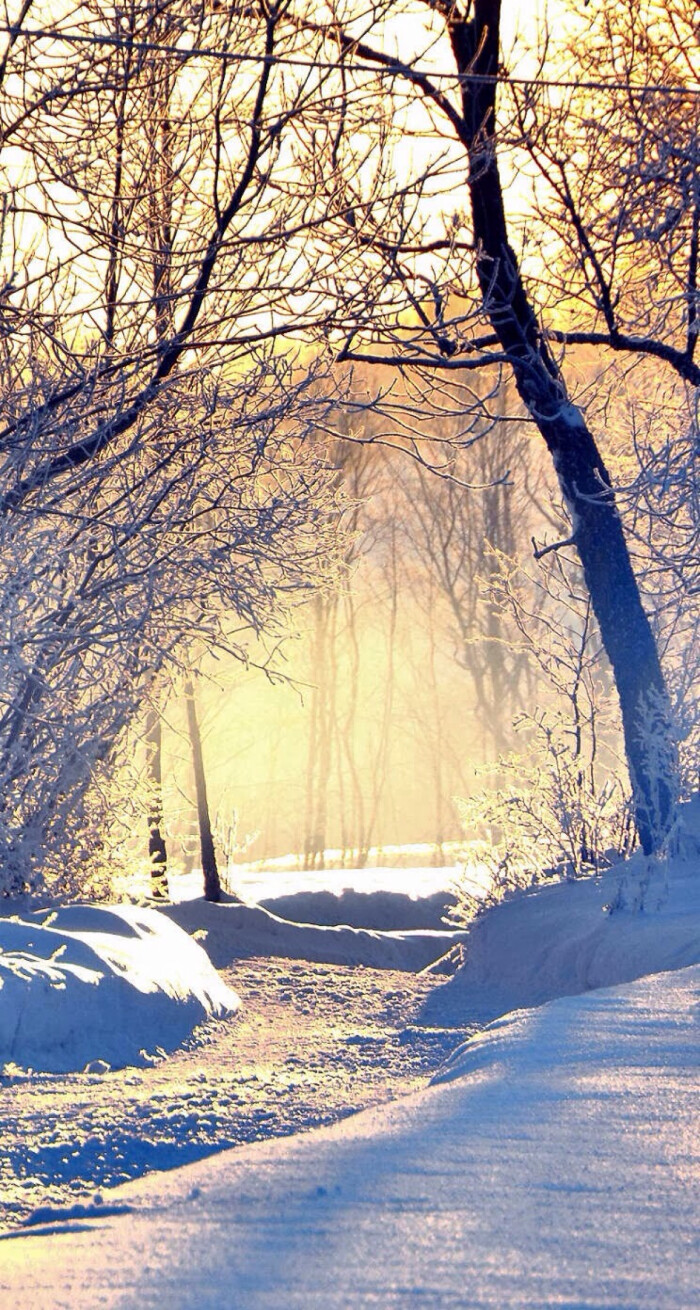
{"x": 548, "y": 818}
{"x": 201, "y": 539}
{"x": 561, "y": 807}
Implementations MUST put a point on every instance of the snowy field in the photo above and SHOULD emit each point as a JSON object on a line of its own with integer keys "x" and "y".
{"x": 285, "y": 876}
{"x": 555, "y": 1160}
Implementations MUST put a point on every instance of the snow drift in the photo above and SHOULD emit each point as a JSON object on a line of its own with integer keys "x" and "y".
{"x": 85, "y": 983}
{"x": 386, "y": 911}
{"x": 642, "y": 917}
{"x": 237, "y": 932}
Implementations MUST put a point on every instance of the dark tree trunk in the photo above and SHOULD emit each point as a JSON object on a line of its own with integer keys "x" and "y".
{"x": 157, "y": 852}
{"x": 583, "y": 478}
{"x": 212, "y": 883}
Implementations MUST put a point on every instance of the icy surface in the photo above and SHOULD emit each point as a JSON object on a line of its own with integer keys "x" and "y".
{"x": 90, "y": 986}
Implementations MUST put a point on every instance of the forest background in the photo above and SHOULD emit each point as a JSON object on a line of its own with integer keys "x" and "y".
{"x": 257, "y": 348}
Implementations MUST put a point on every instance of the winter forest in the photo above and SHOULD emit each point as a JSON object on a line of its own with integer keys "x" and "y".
{"x": 349, "y": 649}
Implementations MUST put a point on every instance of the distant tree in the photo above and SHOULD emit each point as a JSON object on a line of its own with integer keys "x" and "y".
{"x": 347, "y": 766}
{"x": 157, "y": 850}
{"x": 454, "y": 538}
{"x": 210, "y": 871}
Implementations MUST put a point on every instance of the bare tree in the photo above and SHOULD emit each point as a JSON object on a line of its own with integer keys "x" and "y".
{"x": 451, "y": 305}
{"x": 155, "y": 487}
{"x": 453, "y": 543}
{"x": 210, "y": 872}
{"x": 157, "y": 850}
{"x": 562, "y": 804}
{"x": 346, "y": 766}
{"x": 187, "y": 187}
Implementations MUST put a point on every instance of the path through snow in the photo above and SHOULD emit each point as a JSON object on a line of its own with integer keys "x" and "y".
{"x": 311, "y": 1043}
{"x": 562, "y": 1171}
{"x": 558, "y": 1164}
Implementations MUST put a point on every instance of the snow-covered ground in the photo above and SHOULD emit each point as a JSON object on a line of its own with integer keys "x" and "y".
{"x": 255, "y": 883}
{"x": 555, "y": 1160}
{"x": 85, "y": 983}
{"x": 560, "y": 1169}
{"x": 568, "y": 937}
{"x": 315, "y": 1039}
{"x": 236, "y": 931}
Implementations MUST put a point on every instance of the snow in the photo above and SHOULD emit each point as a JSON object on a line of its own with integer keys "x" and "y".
{"x": 554, "y": 1160}
{"x": 235, "y": 931}
{"x": 382, "y": 910}
{"x": 286, "y": 876}
{"x": 561, "y": 939}
{"x": 560, "y": 1168}
{"x": 88, "y": 986}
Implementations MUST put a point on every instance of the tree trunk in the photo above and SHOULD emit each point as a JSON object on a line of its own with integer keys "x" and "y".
{"x": 583, "y": 478}
{"x": 212, "y": 883}
{"x": 157, "y": 852}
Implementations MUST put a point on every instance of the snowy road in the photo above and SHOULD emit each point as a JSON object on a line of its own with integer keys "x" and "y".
{"x": 563, "y": 1170}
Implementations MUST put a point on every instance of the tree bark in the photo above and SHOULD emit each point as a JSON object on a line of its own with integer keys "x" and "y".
{"x": 157, "y": 853}
{"x": 583, "y": 477}
{"x": 210, "y": 871}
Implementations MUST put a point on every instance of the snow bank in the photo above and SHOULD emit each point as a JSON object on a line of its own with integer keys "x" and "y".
{"x": 563, "y": 1171}
{"x": 387, "y": 911}
{"x": 86, "y": 983}
{"x": 236, "y": 932}
{"x": 563, "y": 939}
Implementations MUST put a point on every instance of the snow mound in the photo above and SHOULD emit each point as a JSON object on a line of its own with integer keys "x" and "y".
{"x": 236, "y": 932}
{"x": 386, "y": 911}
{"x": 654, "y": 1021}
{"x": 85, "y": 984}
{"x": 642, "y": 917}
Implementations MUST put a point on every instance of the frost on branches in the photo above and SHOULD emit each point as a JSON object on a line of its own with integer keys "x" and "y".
{"x": 157, "y": 488}
{"x": 190, "y": 539}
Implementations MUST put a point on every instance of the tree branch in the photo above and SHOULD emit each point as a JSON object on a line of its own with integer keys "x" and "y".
{"x": 621, "y": 341}
{"x": 87, "y": 448}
